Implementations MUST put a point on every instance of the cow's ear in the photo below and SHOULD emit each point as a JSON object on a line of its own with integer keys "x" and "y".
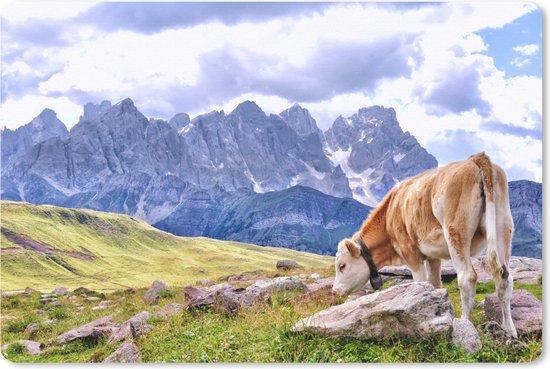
{"x": 353, "y": 249}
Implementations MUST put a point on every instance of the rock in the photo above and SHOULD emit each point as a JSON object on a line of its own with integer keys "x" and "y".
{"x": 99, "y": 307}
{"x": 494, "y": 331}
{"x": 196, "y": 296}
{"x": 57, "y": 303}
{"x": 205, "y": 283}
{"x": 60, "y": 291}
{"x": 48, "y": 295}
{"x": 465, "y": 335}
{"x": 83, "y": 290}
{"x": 93, "y": 299}
{"x": 29, "y": 291}
{"x": 72, "y": 297}
{"x": 278, "y": 284}
{"x": 363, "y": 291}
{"x": 287, "y": 264}
{"x": 31, "y": 329}
{"x": 32, "y": 347}
{"x": 7, "y": 317}
{"x": 413, "y": 311}
{"x": 152, "y": 295}
{"x": 97, "y": 328}
{"x": 132, "y": 328}
{"x": 169, "y": 310}
{"x": 126, "y": 353}
{"x": 315, "y": 276}
{"x": 245, "y": 277}
{"x": 48, "y": 300}
{"x": 120, "y": 299}
{"x": 39, "y": 311}
{"x": 320, "y": 284}
{"x": 526, "y": 311}
{"x": 105, "y": 302}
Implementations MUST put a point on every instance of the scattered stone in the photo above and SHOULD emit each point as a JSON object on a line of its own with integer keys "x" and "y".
{"x": 80, "y": 308}
{"x": 39, "y": 311}
{"x": 526, "y": 311}
{"x": 83, "y": 295}
{"x": 152, "y": 295}
{"x": 72, "y": 297}
{"x": 105, "y": 302}
{"x": 29, "y": 291}
{"x": 130, "y": 291}
{"x": 169, "y": 310}
{"x": 48, "y": 300}
{"x": 93, "y": 298}
{"x": 120, "y": 299}
{"x": 97, "y": 328}
{"x": 196, "y": 296}
{"x": 32, "y": 347}
{"x": 132, "y": 328}
{"x": 57, "y": 303}
{"x": 7, "y": 317}
{"x": 99, "y": 307}
{"x": 50, "y": 321}
{"x": 48, "y": 295}
{"x": 205, "y": 283}
{"x": 277, "y": 285}
{"x": 315, "y": 276}
{"x": 60, "y": 291}
{"x": 287, "y": 264}
{"x": 83, "y": 291}
{"x": 31, "y": 329}
{"x": 413, "y": 310}
{"x": 323, "y": 283}
{"x": 126, "y": 353}
{"x": 465, "y": 335}
{"x": 245, "y": 277}
{"x": 302, "y": 276}
{"x": 494, "y": 331}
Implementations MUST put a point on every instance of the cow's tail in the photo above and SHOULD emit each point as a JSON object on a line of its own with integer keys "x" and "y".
{"x": 497, "y": 266}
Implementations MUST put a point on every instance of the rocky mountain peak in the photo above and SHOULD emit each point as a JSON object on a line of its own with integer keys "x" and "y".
{"x": 300, "y": 120}
{"x": 179, "y": 121}
{"x": 249, "y": 109}
{"x": 92, "y": 111}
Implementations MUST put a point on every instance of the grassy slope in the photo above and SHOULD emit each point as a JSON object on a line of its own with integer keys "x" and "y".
{"x": 127, "y": 252}
{"x": 259, "y": 335}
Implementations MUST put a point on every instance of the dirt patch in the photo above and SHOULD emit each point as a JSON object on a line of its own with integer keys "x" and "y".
{"x": 43, "y": 248}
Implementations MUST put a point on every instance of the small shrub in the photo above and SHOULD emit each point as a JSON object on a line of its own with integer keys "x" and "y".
{"x": 15, "y": 349}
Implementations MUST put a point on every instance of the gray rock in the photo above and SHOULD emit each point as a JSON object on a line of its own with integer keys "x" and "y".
{"x": 99, "y": 307}
{"x": 205, "y": 283}
{"x": 132, "y": 328}
{"x": 494, "y": 331}
{"x": 93, "y": 299}
{"x": 60, "y": 291}
{"x": 126, "y": 353}
{"x": 197, "y": 296}
{"x": 151, "y": 296}
{"x": 414, "y": 311}
{"x": 169, "y": 310}
{"x": 323, "y": 283}
{"x": 315, "y": 276}
{"x": 526, "y": 311}
{"x": 97, "y": 328}
{"x": 32, "y": 347}
{"x": 7, "y": 317}
{"x": 287, "y": 264}
{"x": 465, "y": 335}
{"x": 31, "y": 329}
{"x": 48, "y": 300}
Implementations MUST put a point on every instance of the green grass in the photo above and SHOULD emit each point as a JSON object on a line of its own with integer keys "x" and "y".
{"x": 259, "y": 335}
{"x": 125, "y": 252}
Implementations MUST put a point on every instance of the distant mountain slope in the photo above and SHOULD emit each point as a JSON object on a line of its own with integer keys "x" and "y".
{"x": 45, "y": 247}
{"x": 299, "y": 218}
{"x": 526, "y": 205}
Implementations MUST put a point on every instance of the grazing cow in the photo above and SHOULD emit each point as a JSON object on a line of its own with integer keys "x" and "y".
{"x": 455, "y": 212}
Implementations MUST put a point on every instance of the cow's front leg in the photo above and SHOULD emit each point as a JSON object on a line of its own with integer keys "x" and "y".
{"x": 433, "y": 270}
{"x": 420, "y": 274}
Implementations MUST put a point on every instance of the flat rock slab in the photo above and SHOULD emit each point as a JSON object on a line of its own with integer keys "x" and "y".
{"x": 466, "y": 336}
{"x": 526, "y": 311}
{"x": 170, "y": 310}
{"x": 152, "y": 295}
{"x": 198, "y": 296}
{"x": 97, "y": 328}
{"x": 132, "y": 328}
{"x": 413, "y": 310}
{"x": 126, "y": 353}
{"x": 32, "y": 347}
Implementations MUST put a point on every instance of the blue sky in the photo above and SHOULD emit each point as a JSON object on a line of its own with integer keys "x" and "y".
{"x": 462, "y": 77}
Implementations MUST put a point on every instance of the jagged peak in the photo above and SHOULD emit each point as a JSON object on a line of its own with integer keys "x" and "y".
{"x": 248, "y": 107}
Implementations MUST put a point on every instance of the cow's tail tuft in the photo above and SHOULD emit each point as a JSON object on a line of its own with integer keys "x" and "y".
{"x": 496, "y": 265}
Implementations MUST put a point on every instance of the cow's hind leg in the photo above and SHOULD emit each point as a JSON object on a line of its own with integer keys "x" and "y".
{"x": 433, "y": 268}
{"x": 459, "y": 249}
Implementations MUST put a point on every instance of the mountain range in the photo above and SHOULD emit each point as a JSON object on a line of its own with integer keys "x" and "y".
{"x": 268, "y": 179}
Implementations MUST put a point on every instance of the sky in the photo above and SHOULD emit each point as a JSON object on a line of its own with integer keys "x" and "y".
{"x": 463, "y": 77}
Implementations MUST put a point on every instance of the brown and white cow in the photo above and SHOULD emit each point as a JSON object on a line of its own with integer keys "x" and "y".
{"x": 455, "y": 212}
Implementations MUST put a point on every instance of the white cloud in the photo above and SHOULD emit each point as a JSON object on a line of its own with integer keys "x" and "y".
{"x": 527, "y": 50}
{"x": 24, "y": 11}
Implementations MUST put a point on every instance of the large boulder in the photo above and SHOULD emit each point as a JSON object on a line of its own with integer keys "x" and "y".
{"x": 126, "y": 353}
{"x": 197, "y": 296}
{"x": 32, "y": 347}
{"x": 287, "y": 264}
{"x": 152, "y": 295}
{"x": 132, "y": 328}
{"x": 97, "y": 328}
{"x": 413, "y": 310}
{"x": 526, "y": 311}
{"x": 465, "y": 335}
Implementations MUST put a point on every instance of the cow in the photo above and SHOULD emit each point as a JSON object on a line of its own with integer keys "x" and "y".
{"x": 452, "y": 212}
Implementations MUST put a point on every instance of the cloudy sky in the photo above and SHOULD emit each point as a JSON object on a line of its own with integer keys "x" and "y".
{"x": 463, "y": 77}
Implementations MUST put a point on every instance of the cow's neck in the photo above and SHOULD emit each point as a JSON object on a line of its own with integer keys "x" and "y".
{"x": 376, "y": 238}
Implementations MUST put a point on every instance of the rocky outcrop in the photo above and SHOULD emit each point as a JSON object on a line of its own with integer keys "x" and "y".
{"x": 413, "y": 310}
{"x": 152, "y": 295}
{"x": 32, "y": 347}
{"x": 132, "y": 328}
{"x": 465, "y": 335}
{"x": 287, "y": 264}
{"x": 526, "y": 311}
{"x": 95, "y": 329}
{"x": 196, "y": 297}
{"x": 126, "y": 353}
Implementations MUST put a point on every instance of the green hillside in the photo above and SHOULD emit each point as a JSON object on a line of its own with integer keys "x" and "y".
{"x": 44, "y": 247}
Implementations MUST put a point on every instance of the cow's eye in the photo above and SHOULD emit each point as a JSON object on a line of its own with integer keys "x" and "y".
{"x": 342, "y": 267}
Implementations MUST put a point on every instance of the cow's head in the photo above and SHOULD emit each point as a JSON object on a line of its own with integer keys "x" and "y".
{"x": 352, "y": 271}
